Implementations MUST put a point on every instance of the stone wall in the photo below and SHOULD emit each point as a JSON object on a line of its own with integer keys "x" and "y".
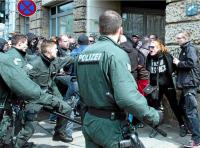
{"x": 80, "y": 17}
{"x": 177, "y": 21}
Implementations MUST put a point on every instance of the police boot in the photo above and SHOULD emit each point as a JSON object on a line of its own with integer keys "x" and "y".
{"x": 61, "y": 137}
{"x": 29, "y": 145}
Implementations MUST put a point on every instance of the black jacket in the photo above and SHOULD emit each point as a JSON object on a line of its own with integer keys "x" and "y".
{"x": 133, "y": 56}
{"x": 2, "y": 43}
{"x": 188, "y": 61}
{"x": 170, "y": 66}
{"x": 62, "y": 52}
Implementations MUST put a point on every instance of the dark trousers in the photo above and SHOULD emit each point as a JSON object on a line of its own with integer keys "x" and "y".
{"x": 170, "y": 94}
{"x": 189, "y": 105}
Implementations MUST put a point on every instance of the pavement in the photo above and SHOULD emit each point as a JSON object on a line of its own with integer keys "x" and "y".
{"x": 44, "y": 131}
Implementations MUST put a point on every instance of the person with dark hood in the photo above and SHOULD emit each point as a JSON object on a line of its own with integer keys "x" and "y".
{"x": 32, "y": 43}
{"x": 3, "y": 45}
{"x": 127, "y": 46}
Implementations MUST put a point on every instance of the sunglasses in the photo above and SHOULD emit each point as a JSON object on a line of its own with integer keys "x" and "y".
{"x": 151, "y": 47}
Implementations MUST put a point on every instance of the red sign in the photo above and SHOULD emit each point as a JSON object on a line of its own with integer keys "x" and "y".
{"x": 26, "y": 7}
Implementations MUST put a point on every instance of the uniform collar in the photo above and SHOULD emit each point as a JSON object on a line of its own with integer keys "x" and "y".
{"x": 104, "y": 38}
{"x": 22, "y": 53}
{"x": 46, "y": 60}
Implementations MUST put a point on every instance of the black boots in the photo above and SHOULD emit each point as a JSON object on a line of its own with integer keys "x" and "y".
{"x": 61, "y": 137}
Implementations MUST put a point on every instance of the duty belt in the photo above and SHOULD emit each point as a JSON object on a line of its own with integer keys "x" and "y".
{"x": 107, "y": 114}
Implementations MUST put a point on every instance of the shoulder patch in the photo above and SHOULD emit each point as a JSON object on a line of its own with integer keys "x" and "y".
{"x": 128, "y": 67}
{"x": 29, "y": 66}
{"x": 17, "y": 61}
{"x": 89, "y": 58}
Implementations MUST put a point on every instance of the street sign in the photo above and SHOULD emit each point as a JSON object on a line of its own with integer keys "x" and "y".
{"x": 26, "y": 7}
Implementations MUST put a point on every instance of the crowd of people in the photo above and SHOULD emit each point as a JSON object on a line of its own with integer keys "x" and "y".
{"x": 117, "y": 68}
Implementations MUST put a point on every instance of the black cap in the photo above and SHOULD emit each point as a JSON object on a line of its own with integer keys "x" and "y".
{"x": 136, "y": 35}
{"x": 83, "y": 40}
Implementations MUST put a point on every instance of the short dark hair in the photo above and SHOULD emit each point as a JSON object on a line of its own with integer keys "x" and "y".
{"x": 17, "y": 38}
{"x": 109, "y": 22}
{"x": 45, "y": 44}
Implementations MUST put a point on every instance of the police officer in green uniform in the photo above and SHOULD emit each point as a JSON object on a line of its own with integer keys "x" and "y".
{"x": 14, "y": 80}
{"x": 17, "y": 54}
{"x": 107, "y": 87}
{"x": 43, "y": 71}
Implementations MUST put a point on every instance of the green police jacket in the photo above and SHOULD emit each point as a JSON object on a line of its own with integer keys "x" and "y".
{"x": 14, "y": 79}
{"x": 43, "y": 71}
{"x": 17, "y": 59}
{"x": 105, "y": 81}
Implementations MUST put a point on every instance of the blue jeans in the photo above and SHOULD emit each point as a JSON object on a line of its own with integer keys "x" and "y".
{"x": 65, "y": 80}
{"x": 71, "y": 97}
{"x": 191, "y": 111}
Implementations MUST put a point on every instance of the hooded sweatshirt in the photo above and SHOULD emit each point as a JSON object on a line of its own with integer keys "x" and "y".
{"x": 2, "y": 43}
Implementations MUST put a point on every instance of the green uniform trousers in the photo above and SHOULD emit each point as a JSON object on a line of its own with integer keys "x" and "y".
{"x": 100, "y": 132}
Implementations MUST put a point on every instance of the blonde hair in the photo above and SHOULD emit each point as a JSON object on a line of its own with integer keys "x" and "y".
{"x": 184, "y": 34}
{"x": 160, "y": 46}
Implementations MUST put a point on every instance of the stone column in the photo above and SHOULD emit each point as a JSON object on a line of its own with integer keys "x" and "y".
{"x": 80, "y": 17}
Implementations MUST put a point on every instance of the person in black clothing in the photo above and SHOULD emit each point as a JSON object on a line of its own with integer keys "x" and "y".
{"x": 187, "y": 67}
{"x": 63, "y": 46}
{"x": 159, "y": 60}
{"x": 32, "y": 44}
{"x": 3, "y": 45}
{"x": 136, "y": 41}
{"x": 127, "y": 45}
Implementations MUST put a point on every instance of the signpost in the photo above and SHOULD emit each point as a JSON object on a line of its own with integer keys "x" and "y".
{"x": 26, "y": 7}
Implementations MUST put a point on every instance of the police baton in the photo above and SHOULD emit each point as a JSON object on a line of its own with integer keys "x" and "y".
{"x": 66, "y": 117}
{"x": 48, "y": 109}
{"x": 160, "y": 131}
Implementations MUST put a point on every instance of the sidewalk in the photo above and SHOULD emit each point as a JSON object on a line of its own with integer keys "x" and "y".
{"x": 43, "y": 138}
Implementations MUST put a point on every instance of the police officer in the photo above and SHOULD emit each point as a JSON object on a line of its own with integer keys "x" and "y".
{"x": 43, "y": 72}
{"x": 111, "y": 90}
{"x": 14, "y": 79}
{"x": 17, "y": 54}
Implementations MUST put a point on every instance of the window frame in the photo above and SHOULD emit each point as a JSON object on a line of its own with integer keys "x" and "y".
{"x": 57, "y": 15}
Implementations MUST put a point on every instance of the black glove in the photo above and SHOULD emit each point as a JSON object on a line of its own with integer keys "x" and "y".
{"x": 61, "y": 106}
{"x": 161, "y": 118}
{"x": 57, "y": 104}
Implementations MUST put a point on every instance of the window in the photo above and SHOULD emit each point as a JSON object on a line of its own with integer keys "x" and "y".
{"x": 61, "y": 19}
{"x": 26, "y": 24}
{"x": 2, "y": 11}
{"x": 144, "y": 22}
